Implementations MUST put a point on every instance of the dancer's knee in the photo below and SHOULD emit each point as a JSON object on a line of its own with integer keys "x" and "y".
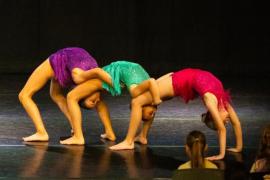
{"x": 71, "y": 96}
{"x": 135, "y": 102}
{"x": 23, "y": 96}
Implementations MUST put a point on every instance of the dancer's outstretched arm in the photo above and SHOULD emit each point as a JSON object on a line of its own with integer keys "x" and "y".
{"x": 237, "y": 129}
{"x": 212, "y": 106}
{"x": 80, "y": 75}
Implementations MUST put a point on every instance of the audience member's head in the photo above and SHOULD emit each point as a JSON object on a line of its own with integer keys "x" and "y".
{"x": 262, "y": 163}
{"x": 195, "y": 148}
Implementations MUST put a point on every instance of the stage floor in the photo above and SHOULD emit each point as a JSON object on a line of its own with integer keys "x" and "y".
{"x": 174, "y": 120}
{"x": 97, "y": 161}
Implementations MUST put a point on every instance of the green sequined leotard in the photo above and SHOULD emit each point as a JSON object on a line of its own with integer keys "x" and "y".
{"x": 124, "y": 72}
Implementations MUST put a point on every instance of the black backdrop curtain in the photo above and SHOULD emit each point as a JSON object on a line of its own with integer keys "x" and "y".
{"x": 226, "y": 37}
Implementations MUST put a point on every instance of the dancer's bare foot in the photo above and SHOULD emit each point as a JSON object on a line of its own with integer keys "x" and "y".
{"x": 37, "y": 137}
{"x": 73, "y": 141}
{"x": 141, "y": 140}
{"x": 122, "y": 146}
{"x": 108, "y": 136}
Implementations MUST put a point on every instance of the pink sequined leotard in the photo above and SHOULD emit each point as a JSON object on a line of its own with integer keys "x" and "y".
{"x": 187, "y": 83}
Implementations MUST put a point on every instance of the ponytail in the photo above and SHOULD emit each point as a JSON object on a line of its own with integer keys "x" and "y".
{"x": 196, "y": 143}
{"x": 197, "y": 159}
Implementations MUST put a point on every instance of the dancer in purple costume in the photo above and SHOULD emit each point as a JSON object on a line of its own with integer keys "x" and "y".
{"x": 61, "y": 68}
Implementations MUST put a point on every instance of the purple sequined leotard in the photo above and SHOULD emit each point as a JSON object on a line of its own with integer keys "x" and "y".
{"x": 64, "y": 60}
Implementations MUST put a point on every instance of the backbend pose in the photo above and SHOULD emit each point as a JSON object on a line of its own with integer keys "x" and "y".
{"x": 188, "y": 83}
{"x": 61, "y": 68}
{"x": 119, "y": 73}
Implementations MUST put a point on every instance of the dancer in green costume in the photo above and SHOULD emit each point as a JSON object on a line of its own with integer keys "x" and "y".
{"x": 110, "y": 78}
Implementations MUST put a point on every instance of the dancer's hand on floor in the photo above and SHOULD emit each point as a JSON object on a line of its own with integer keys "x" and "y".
{"x": 213, "y": 158}
{"x": 234, "y": 150}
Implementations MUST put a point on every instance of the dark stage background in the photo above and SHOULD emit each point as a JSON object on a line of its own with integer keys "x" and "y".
{"x": 225, "y": 37}
{"x": 230, "y": 38}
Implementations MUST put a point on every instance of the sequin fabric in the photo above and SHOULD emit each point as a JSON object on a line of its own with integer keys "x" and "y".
{"x": 64, "y": 60}
{"x": 189, "y": 83}
{"x": 124, "y": 73}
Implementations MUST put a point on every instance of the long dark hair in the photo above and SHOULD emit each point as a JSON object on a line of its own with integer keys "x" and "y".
{"x": 264, "y": 150}
{"x": 196, "y": 142}
{"x": 208, "y": 120}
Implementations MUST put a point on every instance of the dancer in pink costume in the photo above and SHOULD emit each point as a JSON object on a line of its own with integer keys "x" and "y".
{"x": 188, "y": 84}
